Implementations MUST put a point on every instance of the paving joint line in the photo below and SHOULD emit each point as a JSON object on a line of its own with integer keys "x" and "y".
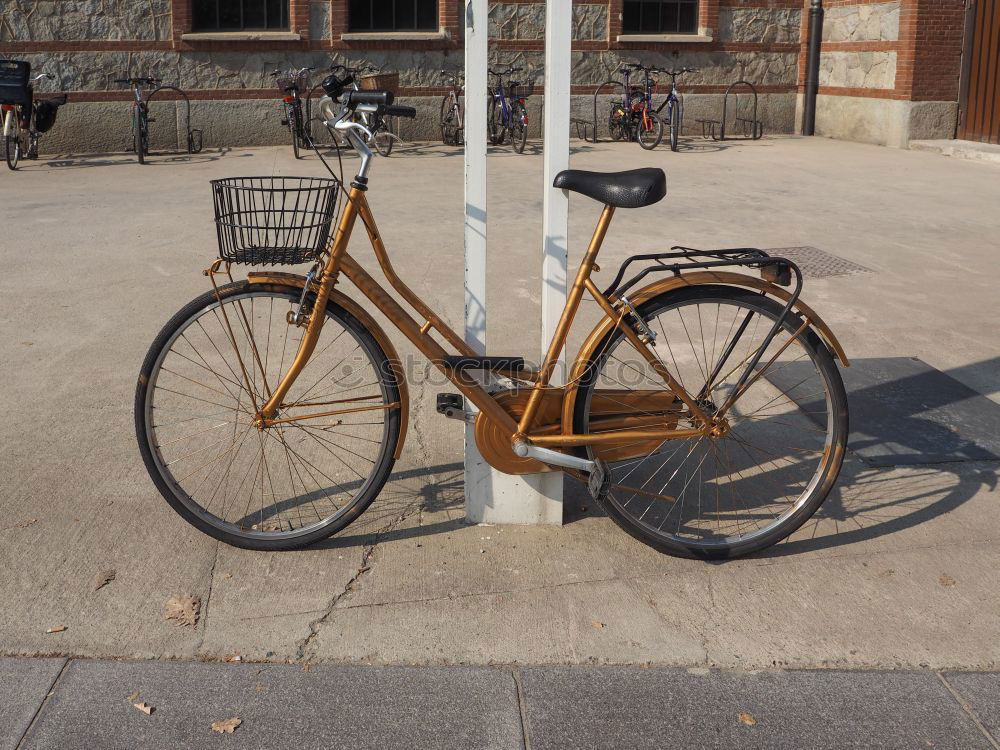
{"x": 964, "y": 705}
{"x": 521, "y": 708}
{"x": 38, "y": 711}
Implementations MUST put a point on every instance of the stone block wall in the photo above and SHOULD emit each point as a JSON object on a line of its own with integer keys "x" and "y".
{"x": 868, "y": 52}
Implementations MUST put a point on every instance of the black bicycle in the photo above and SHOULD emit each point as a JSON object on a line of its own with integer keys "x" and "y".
{"x": 24, "y": 116}
{"x": 294, "y": 85}
{"x": 140, "y": 115}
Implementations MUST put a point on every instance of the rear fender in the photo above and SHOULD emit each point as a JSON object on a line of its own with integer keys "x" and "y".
{"x": 699, "y": 278}
{"x": 292, "y": 279}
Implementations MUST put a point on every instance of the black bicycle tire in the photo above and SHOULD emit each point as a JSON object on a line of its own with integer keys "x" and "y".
{"x": 15, "y": 141}
{"x": 380, "y": 472}
{"x": 518, "y": 111}
{"x": 137, "y": 143}
{"x": 839, "y": 412}
{"x": 659, "y": 132}
{"x": 448, "y": 112}
{"x": 293, "y": 127}
{"x": 495, "y": 129}
{"x": 675, "y": 124}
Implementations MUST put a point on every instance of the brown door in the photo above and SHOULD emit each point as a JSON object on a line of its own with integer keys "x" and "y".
{"x": 980, "y": 119}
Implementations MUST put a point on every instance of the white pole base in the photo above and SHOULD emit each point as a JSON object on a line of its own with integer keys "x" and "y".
{"x": 494, "y": 497}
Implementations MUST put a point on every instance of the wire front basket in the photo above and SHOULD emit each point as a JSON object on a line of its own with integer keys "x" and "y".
{"x": 265, "y": 221}
{"x": 521, "y": 90}
{"x": 291, "y": 79}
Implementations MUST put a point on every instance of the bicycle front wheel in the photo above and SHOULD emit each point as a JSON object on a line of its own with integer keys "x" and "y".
{"x": 449, "y": 121}
{"x": 12, "y": 150}
{"x": 385, "y": 135}
{"x": 138, "y": 135}
{"x": 782, "y": 442}
{"x": 674, "y": 117}
{"x": 275, "y": 487}
{"x": 519, "y": 127}
{"x": 650, "y": 130}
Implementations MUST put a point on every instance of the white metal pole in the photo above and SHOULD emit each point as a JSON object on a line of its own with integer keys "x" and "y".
{"x": 491, "y": 496}
{"x": 477, "y": 471}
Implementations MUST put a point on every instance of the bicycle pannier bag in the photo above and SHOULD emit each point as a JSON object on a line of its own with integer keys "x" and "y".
{"x": 14, "y": 75}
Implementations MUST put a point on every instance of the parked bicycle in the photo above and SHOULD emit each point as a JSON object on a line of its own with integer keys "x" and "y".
{"x": 508, "y": 111}
{"x": 452, "y": 119}
{"x": 380, "y": 126}
{"x": 705, "y": 410}
{"x": 25, "y": 116}
{"x": 674, "y": 105}
{"x": 293, "y": 85}
{"x": 633, "y": 118}
{"x": 140, "y": 115}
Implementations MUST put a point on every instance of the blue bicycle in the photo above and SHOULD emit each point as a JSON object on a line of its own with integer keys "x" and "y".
{"x": 508, "y": 115}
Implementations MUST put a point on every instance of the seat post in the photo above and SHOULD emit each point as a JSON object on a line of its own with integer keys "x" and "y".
{"x": 566, "y": 319}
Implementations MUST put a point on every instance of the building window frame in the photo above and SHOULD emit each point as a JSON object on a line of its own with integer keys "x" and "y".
{"x": 425, "y": 16}
{"x": 248, "y": 12}
{"x": 660, "y": 17}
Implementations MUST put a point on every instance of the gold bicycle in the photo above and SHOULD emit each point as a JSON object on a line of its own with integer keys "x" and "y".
{"x": 705, "y": 410}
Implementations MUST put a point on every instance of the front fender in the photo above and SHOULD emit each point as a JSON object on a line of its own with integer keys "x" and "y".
{"x": 339, "y": 298}
{"x": 698, "y": 278}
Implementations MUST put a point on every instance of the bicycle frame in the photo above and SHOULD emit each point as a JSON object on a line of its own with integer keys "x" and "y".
{"x": 637, "y": 428}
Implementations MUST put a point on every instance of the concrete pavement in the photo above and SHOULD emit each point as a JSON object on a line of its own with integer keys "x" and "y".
{"x": 73, "y": 704}
{"x": 898, "y": 570}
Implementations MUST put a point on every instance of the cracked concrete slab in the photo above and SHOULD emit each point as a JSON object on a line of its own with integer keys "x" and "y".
{"x": 75, "y": 499}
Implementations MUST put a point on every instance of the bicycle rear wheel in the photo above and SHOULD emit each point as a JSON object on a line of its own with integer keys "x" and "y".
{"x": 496, "y": 130}
{"x": 717, "y": 497}
{"x": 276, "y": 487}
{"x": 384, "y": 130}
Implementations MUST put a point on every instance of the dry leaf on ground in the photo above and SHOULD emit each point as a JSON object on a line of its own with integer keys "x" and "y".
{"x": 56, "y": 629}
{"x": 226, "y": 726}
{"x": 21, "y": 525}
{"x": 104, "y": 578}
{"x": 946, "y": 580}
{"x": 747, "y": 719}
{"x": 144, "y": 707}
{"x": 183, "y": 610}
{"x": 133, "y": 697}
{"x": 598, "y": 624}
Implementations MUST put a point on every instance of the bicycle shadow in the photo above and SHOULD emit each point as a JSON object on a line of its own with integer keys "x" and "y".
{"x": 901, "y": 471}
{"x": 86, "y": 161}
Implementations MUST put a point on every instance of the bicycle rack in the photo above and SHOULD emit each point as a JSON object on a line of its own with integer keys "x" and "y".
{"x": 582, "y": 125}
{"x": 751, "y": 126}
{"x": 194, "y": 139}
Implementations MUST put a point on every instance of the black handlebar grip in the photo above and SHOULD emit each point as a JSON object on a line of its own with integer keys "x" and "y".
{"x": 401, "y": 111}
{"x": 334, "y": 86}
{"x": 378, "y": 98}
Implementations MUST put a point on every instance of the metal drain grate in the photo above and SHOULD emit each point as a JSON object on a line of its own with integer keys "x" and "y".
{"x": 816, "y": 263}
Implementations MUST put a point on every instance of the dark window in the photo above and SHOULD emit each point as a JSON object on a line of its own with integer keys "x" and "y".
{"x": 239, "y": 15}
{"x": 393, "y": 15}
{"x": 660, "y": 17}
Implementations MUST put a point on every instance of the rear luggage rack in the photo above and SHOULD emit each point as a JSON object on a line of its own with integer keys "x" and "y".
{"x": 774, "y": 269}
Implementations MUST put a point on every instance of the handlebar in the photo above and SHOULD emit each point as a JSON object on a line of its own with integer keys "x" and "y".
{"x": 510, "y": 69}
{"x": 135, "y": 81}
{"x": 40, "y": 76}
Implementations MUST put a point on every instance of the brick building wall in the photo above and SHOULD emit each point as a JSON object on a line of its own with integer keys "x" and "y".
{"x": 890, "y": 71}
{"x": 873, "y": 52}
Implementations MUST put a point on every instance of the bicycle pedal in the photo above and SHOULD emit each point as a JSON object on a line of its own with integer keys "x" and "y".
{"x": 599, "y": 481}
{"x": 452, "y": 405}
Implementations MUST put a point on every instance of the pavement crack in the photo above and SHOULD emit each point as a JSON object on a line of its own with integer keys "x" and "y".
{"x": 208, "y": 598}
{"x": 522, "y": 708}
